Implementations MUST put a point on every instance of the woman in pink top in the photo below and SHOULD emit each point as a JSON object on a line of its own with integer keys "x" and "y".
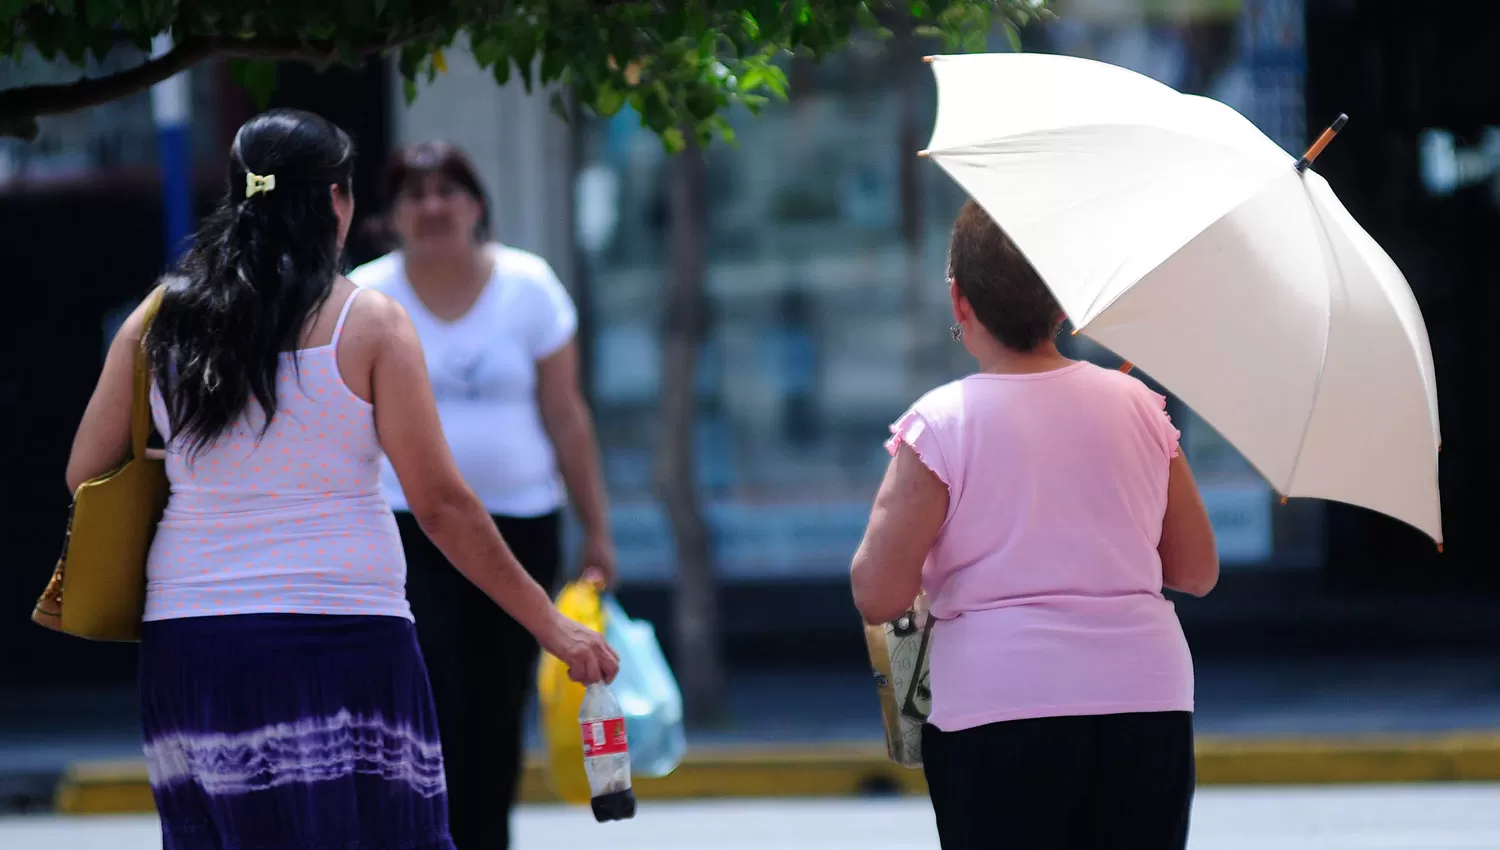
{"x": 1042, "y": 504}
{"x": 284, "y": 699}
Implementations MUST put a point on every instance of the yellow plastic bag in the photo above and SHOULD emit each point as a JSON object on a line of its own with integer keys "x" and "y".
{"x": 561, "y": 698}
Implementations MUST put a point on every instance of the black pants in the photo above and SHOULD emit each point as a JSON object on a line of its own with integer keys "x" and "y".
{"x": 482, "y": 665}
{"x": 1101, "y": 782}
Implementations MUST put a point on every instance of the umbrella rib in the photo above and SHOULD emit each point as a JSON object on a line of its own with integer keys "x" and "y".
{"x": 1317, "y": 392}
{"x": 989, "y": 145}
{"x": 1093, "y": 313}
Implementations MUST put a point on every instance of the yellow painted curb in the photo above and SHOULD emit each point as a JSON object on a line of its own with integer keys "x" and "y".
{"x": 1460, "y": 757}
{"x": 104, "y": 788}
{"x": 844, "y": 770}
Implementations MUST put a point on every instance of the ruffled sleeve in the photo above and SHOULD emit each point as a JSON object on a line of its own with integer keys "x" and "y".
{"x": 916, "y": 431}
{"x": 1171, "y": 436}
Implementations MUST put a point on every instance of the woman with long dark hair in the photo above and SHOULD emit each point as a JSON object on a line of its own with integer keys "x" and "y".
{"x": 1042, "y": 504}
{"x": 499, "y": 334}
{"x": 284, "y": 699}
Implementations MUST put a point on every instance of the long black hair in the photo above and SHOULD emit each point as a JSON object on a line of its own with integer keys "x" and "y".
{"x": 262, "y": 264}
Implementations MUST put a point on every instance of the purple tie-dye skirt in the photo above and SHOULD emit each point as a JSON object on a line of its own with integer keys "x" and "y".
{"x": 294, "y": 732}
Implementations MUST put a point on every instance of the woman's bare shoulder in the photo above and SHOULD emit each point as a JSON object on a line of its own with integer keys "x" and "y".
{"x": 376, "y": 322}
{"x": 375, "y": 312}
{"x": 134, "y": 326}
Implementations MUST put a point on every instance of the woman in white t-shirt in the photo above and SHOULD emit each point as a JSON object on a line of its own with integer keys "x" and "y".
{"x": 498, "y": 330}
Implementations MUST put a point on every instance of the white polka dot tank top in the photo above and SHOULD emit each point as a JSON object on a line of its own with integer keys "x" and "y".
{"x": 290, "y": 523}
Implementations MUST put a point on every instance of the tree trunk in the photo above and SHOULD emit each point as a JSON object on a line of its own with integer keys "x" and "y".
{"x": 700, "y": 664}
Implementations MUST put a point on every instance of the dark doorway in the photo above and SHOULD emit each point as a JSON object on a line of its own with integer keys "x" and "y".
{"x": 1397, "y": 76}
{"x": 359, "y": 100}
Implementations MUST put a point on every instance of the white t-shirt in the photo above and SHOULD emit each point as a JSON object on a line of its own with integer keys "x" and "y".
{"x": 483, "y": 371}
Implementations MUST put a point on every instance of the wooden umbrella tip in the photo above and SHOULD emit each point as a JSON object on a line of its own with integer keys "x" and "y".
{"x": 1321, "y": 143}
{"x": 922, "y": 154}
{"x": 1283, "y": 500}
{"x": 1440, "y": 548}
{"x": 929, "y": 59}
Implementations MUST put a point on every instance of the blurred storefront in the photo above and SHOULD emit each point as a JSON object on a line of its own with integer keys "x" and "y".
{"x": 826, "y": 283}
{"x": 113, "y": 137}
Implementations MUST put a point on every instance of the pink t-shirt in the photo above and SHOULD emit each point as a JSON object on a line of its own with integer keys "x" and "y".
{"x": 1045, "y": 578}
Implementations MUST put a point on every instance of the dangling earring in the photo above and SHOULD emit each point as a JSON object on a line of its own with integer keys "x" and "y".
{"x": 957, "y": 332}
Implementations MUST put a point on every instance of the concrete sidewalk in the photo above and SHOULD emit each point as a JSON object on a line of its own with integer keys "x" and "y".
{"x": 1414, "y": 817}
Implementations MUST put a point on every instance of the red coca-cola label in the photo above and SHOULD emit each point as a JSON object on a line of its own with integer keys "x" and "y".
{"x": 604, "y": 737}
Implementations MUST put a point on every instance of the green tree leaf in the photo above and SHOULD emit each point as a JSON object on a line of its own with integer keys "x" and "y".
{"x": 608, "y": 100}
{"x": 257, "y": 77}
{"x": 1013, "y": 34}
{"x": 681, "y": 66}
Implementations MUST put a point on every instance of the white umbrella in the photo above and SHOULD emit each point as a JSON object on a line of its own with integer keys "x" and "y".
{"x": 1178, "y": 235}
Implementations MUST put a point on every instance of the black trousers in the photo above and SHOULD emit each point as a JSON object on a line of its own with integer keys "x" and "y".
{"x": 482, "y": 665}
{"x": 1100, "y": 782}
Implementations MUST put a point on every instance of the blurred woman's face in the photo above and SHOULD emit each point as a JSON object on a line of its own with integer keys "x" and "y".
{"x": 434, "y": 215}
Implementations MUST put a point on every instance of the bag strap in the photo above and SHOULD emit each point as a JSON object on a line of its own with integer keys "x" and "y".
{"x": 909, "y": 705}
{"x": 140, "y": 405}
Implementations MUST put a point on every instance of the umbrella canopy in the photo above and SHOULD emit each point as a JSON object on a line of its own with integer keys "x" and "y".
{"x": 1175, "y": 233}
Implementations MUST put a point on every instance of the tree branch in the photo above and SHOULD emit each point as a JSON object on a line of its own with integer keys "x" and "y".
{"x": 20, "y": 107}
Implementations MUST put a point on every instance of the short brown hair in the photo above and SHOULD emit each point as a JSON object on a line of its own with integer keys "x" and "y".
{"x": 1007, "y": 294}
{"x": 439, "y": 157}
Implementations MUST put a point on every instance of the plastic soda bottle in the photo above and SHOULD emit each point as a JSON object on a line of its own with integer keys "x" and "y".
{"x": 606, "y": 755}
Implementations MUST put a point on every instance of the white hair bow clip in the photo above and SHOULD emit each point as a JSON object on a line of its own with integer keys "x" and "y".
{"x": 255, "y": 184}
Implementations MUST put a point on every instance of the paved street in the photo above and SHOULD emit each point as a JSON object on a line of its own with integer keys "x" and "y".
{"x": 1425, "y": 817}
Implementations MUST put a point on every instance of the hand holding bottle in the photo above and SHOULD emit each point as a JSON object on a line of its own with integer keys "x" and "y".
{"x": 586, "y": 653}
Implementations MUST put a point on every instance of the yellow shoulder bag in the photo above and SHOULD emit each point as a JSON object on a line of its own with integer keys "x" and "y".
{"x": 102, "y": 568}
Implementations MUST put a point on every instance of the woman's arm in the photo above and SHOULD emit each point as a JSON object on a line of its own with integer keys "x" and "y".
{"x": 1189, "y": 556}
{"x": 406, "y": 420}
{"x": 102, "y": 441}
{"x": 570, "y": 427}
{"x": 908, "y": 513}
